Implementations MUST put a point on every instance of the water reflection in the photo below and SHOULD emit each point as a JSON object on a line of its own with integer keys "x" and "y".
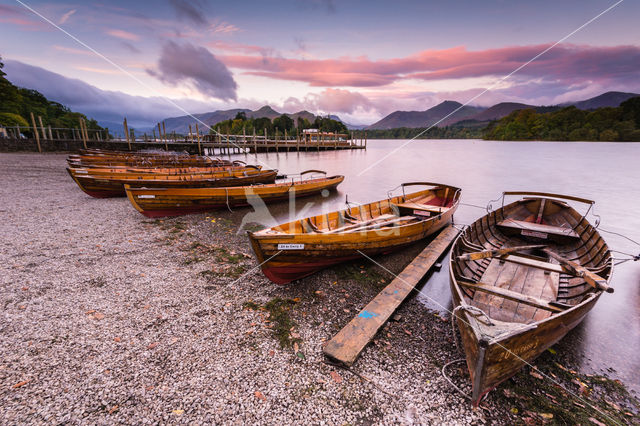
{"x": 608, "y": 173}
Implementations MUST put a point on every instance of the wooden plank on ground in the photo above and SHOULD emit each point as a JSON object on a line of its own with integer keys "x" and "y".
{"x": 346, "y": 346}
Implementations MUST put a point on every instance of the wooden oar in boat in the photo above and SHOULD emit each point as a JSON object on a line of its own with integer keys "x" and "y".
{"x": 484, "y": 254}
{"x": 594, "y": 280}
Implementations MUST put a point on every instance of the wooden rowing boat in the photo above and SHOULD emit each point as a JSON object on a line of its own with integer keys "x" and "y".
{"x": 521, "y": 278}
{"x": 159, "y": 202}
{"x": 136, "y": 171}
{"x": 104, "y": 186}
{"x": 141, "y": 159}
{"x": 299, "y": 248}
{"x": 155, "y": 164}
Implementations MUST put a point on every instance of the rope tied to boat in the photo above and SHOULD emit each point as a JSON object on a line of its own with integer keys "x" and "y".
{"x": 226, "y": 192}
{"x": 474, "y": 312}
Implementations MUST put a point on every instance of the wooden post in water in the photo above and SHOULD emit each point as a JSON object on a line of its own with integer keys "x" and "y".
{"x": 277, "y": 139}
{"x": 82, "y": 133}
{"x": 164, "y": 135}
{"x": 265, "y": 140}
{"x": 190, "y": 135}
{"x": 50, "y": 134}
{"x": 44, "y": 134}
{"x": 198, "y": 136}
{"x": 255, "y": 146}
{"x": 365, "y": 139}
{"x": 244, "y": 135}
{"x": 159, "y": 132}
{"x": 35, "y": 132}
{"x": 126, "y": 133}
{"x": 286, "y": 142}
{"x": 298, "y": 139}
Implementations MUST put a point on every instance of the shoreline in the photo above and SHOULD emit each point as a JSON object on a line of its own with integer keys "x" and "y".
{"x": 113, "y": 317}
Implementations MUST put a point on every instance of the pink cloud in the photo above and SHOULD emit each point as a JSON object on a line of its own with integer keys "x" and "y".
{"x": 125, "y": 35}
{"x": 569, "y": 63}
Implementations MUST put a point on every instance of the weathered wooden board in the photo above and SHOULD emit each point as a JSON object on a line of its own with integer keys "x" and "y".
{"x": 346, "y": 346}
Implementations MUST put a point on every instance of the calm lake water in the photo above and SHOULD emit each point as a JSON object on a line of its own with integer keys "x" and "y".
{"x": 608, "y": 340}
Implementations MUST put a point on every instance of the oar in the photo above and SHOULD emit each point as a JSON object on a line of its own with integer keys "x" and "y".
{"x": 497, "y": 252}
{"x": 594, "y": 280}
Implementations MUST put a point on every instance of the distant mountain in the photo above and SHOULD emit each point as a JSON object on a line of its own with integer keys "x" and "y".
{"x": 466, "y": 116}
{"x": 608, "y": 99}
{"x": 181, "y": 124}
{"x": 469, "y": 116}
{"x": 428, "y": 117}
{"x": 499, "y": 110}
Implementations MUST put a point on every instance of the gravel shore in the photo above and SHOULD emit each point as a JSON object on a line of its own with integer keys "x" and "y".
{"x": 109, "y": 317}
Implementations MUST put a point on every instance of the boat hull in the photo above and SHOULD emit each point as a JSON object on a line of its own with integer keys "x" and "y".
{"x": 511, "y": 308}
{"x": 176, "y": 202}
{"x": 288, "y": 257}
{"x": 103, "y": 187}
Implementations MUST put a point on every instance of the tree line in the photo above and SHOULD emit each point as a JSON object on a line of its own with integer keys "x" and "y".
{"x": 17, "y": 104}
{"x": 570, "y": 124}
{"x": 449, "y": 132}
{"x": 241, "y": 123}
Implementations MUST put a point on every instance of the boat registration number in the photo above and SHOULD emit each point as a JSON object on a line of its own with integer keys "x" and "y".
{"x": 146, "y": 196}
{"x": 421, "y": 213}
{"x": 290, "y": 246}
{"x": 535, "y": 234}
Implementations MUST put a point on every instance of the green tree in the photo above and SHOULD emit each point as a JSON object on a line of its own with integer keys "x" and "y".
{"x": 11, "y": 119}
{"x": 284, "y": 122}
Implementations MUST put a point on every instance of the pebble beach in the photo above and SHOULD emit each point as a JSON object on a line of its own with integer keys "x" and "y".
{"x": 111, "y": 317}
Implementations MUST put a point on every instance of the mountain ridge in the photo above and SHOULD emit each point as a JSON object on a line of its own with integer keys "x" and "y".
{"x": 467, "y": 114}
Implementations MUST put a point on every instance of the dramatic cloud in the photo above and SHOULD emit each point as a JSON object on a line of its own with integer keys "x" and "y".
{"x": 188, "y": 63}
{"x": 124, "y": 35}
{"x": 331, "y": 101}
{"x": 190, "y": 10}
{"x": 569, "y": 64}
{"x": 108, "y": 107}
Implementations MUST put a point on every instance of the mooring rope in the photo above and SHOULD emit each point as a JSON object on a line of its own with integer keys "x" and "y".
{"x": 444, "y": 374}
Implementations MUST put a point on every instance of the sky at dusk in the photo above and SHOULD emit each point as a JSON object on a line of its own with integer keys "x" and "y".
{"x": 359, "y": 60}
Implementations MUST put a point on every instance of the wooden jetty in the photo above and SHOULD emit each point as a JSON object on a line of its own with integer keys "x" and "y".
{"x": 194, "y": 142}
{"x": 309, "y": 140}
{"x": 346, "y": 346}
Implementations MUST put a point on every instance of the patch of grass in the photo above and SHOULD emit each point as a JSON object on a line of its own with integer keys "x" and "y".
{"x": 280, "y": 318}
{"x": 223, "y": 255}
{"x": 250, "y": 304}
{"x": 599, "y": 397}
{"x": 361, "y": 274}
{"x": 233, "y": 272}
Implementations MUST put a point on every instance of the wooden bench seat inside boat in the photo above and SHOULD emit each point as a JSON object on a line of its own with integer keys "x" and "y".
{"x": 538, "y": 228}
{"x": 423, "y": 207}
